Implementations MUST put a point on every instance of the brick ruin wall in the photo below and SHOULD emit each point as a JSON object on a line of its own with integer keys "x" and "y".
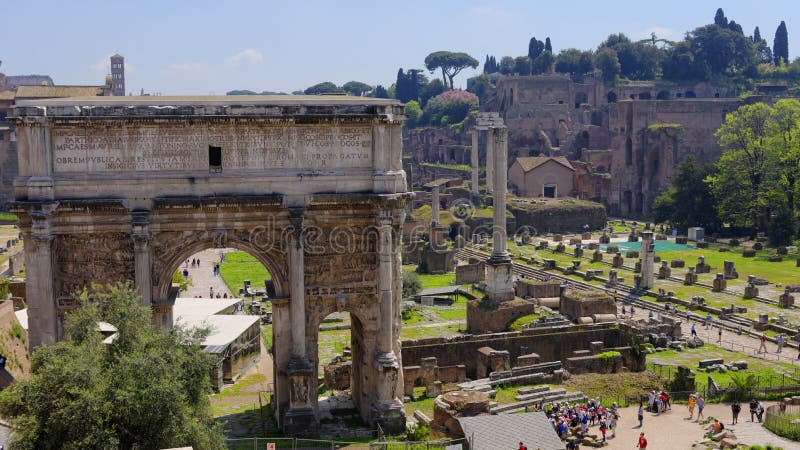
{"x": 591, "y": 122}
{"x": 551, "y": 344}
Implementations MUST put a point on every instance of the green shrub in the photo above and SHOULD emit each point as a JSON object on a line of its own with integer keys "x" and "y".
{"x": 607, "y": 356}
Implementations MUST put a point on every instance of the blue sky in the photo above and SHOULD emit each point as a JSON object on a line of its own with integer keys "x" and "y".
{"x": 205, "y": 47}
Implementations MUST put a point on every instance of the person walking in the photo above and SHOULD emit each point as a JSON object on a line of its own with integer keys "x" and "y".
{"x": 780, "y": 339}
{"x": 642, "y": 442}
{"x": 736, "y": 407}
{"x": 694, "y": 331}
{"x": 763, "y": 346}
{"x": 753, "y": 409}
{"x": 691, "y": 406}
{"x": 640, "y": 415}
{"x": 760, "y": 411}
{"x": 700, "y": 405}
{"x": 719, "y": 335}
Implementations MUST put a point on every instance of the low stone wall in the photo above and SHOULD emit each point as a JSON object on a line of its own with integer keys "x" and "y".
{"x": 538, "y": 289}
{"x": 470, "y": 273}
{"x": 480, "y": 320}
{"x": 562, "y": 218}
{"x": 593, "y": 364}
{"x": 551, "y": 344}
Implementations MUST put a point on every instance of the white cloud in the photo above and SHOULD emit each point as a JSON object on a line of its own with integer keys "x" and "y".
{"x": 248, "y": 55}
{"x": 660, "y": 32}
{"x": 187, "y": 67}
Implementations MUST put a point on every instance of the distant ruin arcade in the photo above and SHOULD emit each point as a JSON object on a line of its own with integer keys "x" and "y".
{"x": 125, "y": 189}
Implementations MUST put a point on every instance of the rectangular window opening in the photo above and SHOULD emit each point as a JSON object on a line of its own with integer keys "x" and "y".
{"x": 214, "y": 158}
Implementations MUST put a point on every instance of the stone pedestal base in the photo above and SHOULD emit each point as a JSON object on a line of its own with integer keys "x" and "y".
{"x": 301, "y": 422}
{"x": 391, "y": 416}
{"x": 499, "y": 281}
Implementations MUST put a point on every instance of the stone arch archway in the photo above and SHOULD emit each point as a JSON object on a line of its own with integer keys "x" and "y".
{"x": 288, "y": 178}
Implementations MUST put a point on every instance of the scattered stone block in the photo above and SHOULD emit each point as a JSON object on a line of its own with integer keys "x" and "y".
{"x": 758, "y": 246}
{"x": 677, "y": 263}
{"x": 775, "y": 258}
{"x": 749, "y": 253}
{"x": 631, "y": 254}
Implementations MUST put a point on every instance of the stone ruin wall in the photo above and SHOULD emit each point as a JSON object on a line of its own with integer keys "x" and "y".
{"x": 549, "y": 344}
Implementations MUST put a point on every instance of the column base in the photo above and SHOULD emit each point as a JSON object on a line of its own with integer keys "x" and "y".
{"x": 391, "y": 416}
{"x": 499, "y": 279}
{"x": 301, "y": 422}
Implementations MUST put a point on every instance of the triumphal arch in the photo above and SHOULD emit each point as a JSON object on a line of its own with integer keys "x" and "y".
{"x": 125, "y": 188}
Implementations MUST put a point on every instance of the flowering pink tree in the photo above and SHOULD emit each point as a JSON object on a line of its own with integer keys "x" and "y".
{"x": 449, "y": 107}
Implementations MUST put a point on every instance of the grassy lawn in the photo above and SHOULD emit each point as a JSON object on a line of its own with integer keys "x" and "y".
{"x": 240, "y": 266}
{"x": 238, "y": 397}
{"x": 769, "y": 372}
{"x": 432, "y": 281}
{"x": 776, "y": 272}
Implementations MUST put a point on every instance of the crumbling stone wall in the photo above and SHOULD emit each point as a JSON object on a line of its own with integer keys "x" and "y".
{"x": 550, "y": 344}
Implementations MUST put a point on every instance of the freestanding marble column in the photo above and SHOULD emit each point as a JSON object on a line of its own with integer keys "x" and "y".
{"x": 499, "y": 275}
{"x": 140, "y": 232}
{"x": 388, "y": 409}
{"x": 300, "y": 418}
{"x": 473, "y": 157}
{"x": 39, "y": 286}
{"x": 435, "y": 206}
{"x": 490, "y": 161}
{"x": 648, "y": 260}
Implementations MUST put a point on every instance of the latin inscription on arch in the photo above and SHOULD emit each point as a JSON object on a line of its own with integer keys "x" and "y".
{"x": 245, "y": 148}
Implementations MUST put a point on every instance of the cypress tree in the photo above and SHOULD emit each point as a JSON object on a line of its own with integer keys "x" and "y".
{"x": 780, "y": 46}
{"x": 720, "y": 19}
{"x": 547, "y": 45}
{"x": 757, "y": 35}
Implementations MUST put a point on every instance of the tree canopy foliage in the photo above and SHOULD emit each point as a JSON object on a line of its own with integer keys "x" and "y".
{"x": 756, "y": 178}
{"x": 326, "y": 87}
{"x": 449, "y": 107}
{"x": 688, "y": 203}
{"x": 146, "y": 389}
{"x": 450, "y": 63}
{"x": 780, "y": 45}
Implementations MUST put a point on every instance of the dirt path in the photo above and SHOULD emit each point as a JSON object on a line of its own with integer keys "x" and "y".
{"x": 674, "y": 430}
{"x": 203, "y": 278}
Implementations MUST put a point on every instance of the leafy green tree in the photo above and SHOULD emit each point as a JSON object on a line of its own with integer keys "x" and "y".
{"x": 490, "y": 66}
{"x": 689, "y": 201}
{"x": 719, "y": 19}
{"x": 380, "y": 92}
{"x": 679, "y": 64}
{"x": 357, "y": 88}
{"x": 413, "y": 112}
{"x": 763, "y": 52}
{"x": 146, "y": 389}
{"x": 721, "y": 50}
{"x": 481, "y": 86}
{"x": 735, "y": 27}
{"x": 432, "y": 89}
{"x": 638, "y": 60}
{"x": 522, "y": 65}
{"x": 574, "y": 62}
{"x": 535, "y": 48}
{"x": 411, "y": 284}
{"x": 543, "y": 63}
{"x": 325, "y": 87}
{"x": 606, "y": 60}
{"x": 780, "y": 45}
{"x": 450, "y": 63}
{"x": 548, "y": 47}
{"x": 743, "y": 169}
{"x": 506, "y": 65}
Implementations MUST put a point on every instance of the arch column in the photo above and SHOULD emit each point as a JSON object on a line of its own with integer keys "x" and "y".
{"x": 301, "y": 417}
{"x": 40, "y": 280}
{"x": 140, "y": 233}
{"x": 387, "y": 409}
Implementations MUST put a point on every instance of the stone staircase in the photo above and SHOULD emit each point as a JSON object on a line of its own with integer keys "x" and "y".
{"x": 527, "y": 397}
{"x": 539, "y": 394}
